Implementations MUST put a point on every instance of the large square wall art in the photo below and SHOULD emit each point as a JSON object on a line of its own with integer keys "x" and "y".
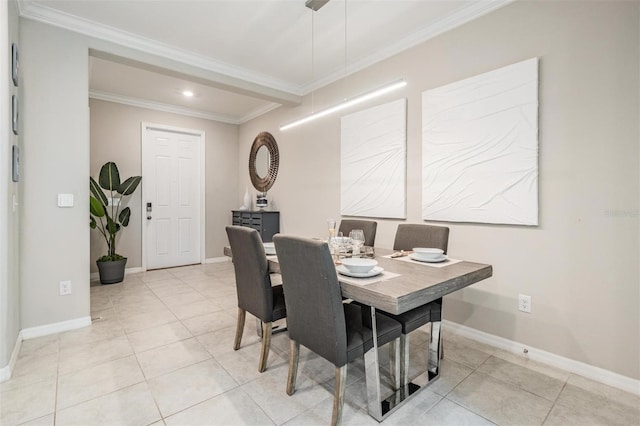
{"x": 480, "y": 148}
{"x": 373, "y": 162}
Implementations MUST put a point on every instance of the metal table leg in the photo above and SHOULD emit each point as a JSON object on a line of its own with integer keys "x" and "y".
{"x": 379, "y": 408}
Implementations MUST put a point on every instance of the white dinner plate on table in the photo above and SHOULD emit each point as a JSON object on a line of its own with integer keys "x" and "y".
{"x": 376, "y": 270}
{"x": 428, "y": 259}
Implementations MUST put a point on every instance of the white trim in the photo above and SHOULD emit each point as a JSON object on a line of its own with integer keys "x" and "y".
{"x": 38, "y": 12}
{"x": 258, "y": 112}
{"x": 5, "y": 372}
{"x": 173, "y": 109}
{"x": 203, "y": 197}
{"x": 456, "y": 19}
{"x": 58, "y": 327}
{"x": 598, "y": 374}
{"x": 217, "y": 259}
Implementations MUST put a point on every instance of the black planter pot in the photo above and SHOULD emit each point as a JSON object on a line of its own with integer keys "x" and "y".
{"x": 111, "y": 272}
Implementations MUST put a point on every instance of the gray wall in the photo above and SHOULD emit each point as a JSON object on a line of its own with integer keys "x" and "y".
{"x": 581, "y": 264}
{"x": 9, "y": 219}
{"x": 115, "y": 136}
{"x": 55, "y": 159}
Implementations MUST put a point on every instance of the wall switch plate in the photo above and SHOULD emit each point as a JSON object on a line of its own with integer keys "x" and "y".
{"x": 65, "y": 200}
{"x": 524, "y": 303}
{"x": 65, "y": 288}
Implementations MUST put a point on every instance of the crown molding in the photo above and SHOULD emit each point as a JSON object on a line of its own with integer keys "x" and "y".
{"x": 38, "y": 12}
{"x": 258, "y": 112}
{"x": 456, "y": 19}
{"x": 173, "y": 109}
{"x": 44, "y": 14}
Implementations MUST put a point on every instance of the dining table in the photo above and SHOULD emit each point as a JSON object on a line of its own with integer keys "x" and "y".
{"x": 404, "y": 284}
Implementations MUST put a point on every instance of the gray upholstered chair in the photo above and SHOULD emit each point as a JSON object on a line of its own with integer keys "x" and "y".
{"x": 328, "y": 327}
{"x": 368, "y": 227}
{"x": 253, "y": 285}
{"x": 409, "y": 236}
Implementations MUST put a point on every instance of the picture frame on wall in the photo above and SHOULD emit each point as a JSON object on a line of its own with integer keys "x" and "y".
{"x": 15, "y": 162}
{"x": 14, "y": 114}
{"x": 14, "y": 64}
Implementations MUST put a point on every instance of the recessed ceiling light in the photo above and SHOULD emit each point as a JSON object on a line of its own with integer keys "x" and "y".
{"x": 187, "y": 93}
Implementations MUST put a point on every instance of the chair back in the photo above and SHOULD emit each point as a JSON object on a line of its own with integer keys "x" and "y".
{"x": 409, "y": 236}
{"x": 369, "y": 228}
{"x": 250, "y": 263}
{"x": 315, "y": 316}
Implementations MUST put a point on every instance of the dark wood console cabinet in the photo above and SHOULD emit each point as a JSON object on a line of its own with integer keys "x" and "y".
{"x": 267, "y": 223}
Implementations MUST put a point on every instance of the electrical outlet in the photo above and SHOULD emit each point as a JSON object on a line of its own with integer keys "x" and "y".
{"x": 65, "y": 288}
{"x": 524, "y": 303}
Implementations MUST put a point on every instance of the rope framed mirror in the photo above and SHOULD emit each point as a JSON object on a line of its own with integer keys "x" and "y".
{"x": 263, "y": 161}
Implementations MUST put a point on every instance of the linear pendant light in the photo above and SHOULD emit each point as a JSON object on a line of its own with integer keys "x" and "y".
{"x": 348, "y": 103}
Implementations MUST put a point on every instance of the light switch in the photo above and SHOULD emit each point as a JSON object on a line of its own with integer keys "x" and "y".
{"x": 65, "y": 200}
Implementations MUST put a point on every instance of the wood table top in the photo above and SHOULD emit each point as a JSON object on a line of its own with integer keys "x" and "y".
{"x": 416, "y": 284}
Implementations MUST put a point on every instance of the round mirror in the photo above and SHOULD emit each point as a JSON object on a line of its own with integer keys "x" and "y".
{"x": 263, "y": 161}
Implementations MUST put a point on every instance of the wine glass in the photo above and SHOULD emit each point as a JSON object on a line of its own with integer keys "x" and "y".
{"x": 336, "y": 245}
{"x": 357, "y": 240}
{"x": 331, "y": 228}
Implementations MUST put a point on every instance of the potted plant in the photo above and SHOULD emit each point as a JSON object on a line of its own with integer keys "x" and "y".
{"x": 108, "y": 217}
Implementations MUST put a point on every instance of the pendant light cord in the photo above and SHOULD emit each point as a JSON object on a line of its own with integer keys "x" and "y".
{"x": 313, "y": 63}
{"x": 345, "y": 48}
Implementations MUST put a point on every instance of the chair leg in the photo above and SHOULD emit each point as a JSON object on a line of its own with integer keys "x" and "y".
{"x": 338, "y": 395}
{"x": 266, "y": 345}
{"x": 294, "y": 356}
{"x": 239, "y": 328}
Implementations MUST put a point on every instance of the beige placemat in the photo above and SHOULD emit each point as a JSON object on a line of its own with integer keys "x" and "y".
{"x": 385, "y": 275}
{"x": 447, "y": 262}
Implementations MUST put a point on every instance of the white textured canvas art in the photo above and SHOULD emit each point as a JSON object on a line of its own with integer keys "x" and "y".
{"x": 480, "y": 148}
{"x": 373, "y": 162}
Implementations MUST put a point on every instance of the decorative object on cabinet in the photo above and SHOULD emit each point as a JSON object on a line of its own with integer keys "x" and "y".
{"x": 480, "y": 148}
{"x": 14, "y": 64}
{"x": 373, "y": 158}
{"x": 246, "y": 205}
{"x": 267, "y": 223}
{"x": 261, "y": 200}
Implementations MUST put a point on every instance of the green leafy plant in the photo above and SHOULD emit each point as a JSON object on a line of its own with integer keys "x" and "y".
{"x": 105, "y": 217}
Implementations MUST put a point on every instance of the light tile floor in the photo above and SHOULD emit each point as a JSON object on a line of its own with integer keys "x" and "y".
{"x": 159, "y": 352}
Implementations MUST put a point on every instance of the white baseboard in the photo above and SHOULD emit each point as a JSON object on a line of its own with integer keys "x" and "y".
{"x": 45, "y": 330}
{"x": 5, "y": 372}
{"x": 589, "y": 371}
{"x": 217, "y": 259}
{"x": 96, "y": 275}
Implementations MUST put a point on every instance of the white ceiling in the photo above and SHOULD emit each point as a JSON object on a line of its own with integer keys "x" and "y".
{"x": 264, "y": 44}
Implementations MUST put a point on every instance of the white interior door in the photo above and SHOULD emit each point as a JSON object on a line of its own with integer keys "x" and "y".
{"x": 172, "y": 192}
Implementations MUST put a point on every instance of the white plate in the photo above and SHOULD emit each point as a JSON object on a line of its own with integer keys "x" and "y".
{"x": 377, "y": 270}
{"x": 269, "y": 248}
{"x": 428, "y": 260}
